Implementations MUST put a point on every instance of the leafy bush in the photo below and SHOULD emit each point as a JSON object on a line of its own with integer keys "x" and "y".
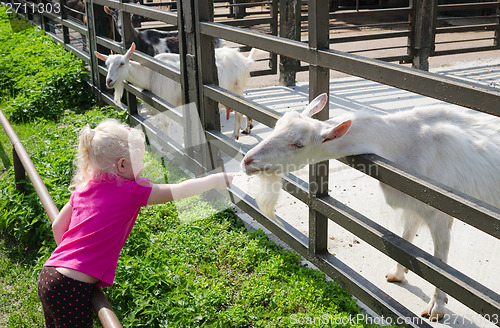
{"x": 12, "y": 23}
{"x": 38, "y": 78}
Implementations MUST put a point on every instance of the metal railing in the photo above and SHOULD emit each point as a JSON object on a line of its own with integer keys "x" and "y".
{"x": 23, "y": 165}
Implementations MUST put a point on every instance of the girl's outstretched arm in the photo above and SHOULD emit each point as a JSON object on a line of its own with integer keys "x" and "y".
{"x": 61, "y": 223}
{"x": 163, "y": 193}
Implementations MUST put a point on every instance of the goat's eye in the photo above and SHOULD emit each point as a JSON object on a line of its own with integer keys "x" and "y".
{"x": 120, "y": 65}
{"x": 298, "y": 145}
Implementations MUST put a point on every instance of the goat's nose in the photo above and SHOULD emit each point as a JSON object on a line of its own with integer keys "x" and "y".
{"x": 247, "y": 160}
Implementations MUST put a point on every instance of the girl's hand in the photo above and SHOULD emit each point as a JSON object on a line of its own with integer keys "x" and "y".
{"x": 162, "y": 193}
{"x": 222, "y": 180}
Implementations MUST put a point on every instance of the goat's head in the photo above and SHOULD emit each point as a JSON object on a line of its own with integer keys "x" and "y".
{"x": 296, "y": 141}
{"x": 118, "y": 66}
{"x": 117, "y": 18}
{"x": 116, "y": 14}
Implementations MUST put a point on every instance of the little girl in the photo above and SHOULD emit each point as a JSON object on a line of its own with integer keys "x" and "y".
{"x": 93, "y": 226}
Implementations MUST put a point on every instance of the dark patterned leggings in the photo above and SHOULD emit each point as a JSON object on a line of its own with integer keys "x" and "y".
{"x": 65, "y": 301}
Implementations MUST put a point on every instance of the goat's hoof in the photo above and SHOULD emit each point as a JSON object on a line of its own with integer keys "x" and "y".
{"x": 246, "y": 131}
{"x": 433, "y": 311}
{"x": 396, "y": 275}
{"x": 392, "y": 278}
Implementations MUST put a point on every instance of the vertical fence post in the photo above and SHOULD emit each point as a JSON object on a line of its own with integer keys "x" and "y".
{"x": 28, "y": 13}
{"x": 290, "y": 29}
{"x": 189, "y": 76}
{"x": 19, "y": 171}
{"x": 239, "y": 11}
{"x": 496, "y": 42}
{"x": 44, "y": 20}
{"x": 423, "y": 32}
{"x": 319, "y": 82}
{"x": 94, "y": 65}
{"x": 208, "y": 108}
{"x": 127, "y": 39}
{"x": 97, "y": 24}
{"x": 187, "y": 50}
{"x": 127, "y": 33}
{"x": 64, "y": 16}
{"x": 274, "y": 31}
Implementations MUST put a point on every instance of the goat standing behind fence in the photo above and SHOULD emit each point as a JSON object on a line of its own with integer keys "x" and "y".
{"x": 232, "y": 67}
{"x": 150, "y": 41}
{"x": 76, "y": 13}
{"x": 456, "y": 147}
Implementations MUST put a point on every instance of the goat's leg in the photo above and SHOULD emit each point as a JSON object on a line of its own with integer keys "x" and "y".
{"x": 237, "y": 125}
{"x": 440, "y": 229}
{"x": 249, "y": 126}
{"x": 228, "y": 112}
{"x": 411, "y": 223}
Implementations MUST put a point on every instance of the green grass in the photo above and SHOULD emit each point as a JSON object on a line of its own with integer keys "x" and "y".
{"x": 19, "y": 305}
{"x": 216, "y": 275}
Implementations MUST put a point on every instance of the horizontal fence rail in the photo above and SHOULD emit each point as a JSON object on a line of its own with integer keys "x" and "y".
{"x": 467, "y": 94}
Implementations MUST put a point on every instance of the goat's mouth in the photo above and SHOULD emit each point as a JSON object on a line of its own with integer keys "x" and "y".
{"x": 250, "y": 169}
{"x": 110, "y": 84}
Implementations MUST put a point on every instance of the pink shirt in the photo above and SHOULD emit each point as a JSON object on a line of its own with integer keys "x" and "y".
{"x": 102, "y": 219}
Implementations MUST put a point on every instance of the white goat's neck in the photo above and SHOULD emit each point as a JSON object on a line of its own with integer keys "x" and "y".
{"x": 370, "y": 134}
{"x": 140, "y": 75}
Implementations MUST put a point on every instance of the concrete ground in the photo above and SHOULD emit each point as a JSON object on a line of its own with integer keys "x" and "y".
{"x": 472, "y": 252}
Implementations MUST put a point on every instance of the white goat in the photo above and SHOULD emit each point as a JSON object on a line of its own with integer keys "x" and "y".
{"x": 449, "y": 144}
{"x": 233, "y": 71}
{"x": 121, "y": 69}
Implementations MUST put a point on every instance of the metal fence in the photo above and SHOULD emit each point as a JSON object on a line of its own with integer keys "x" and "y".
{"x": 198, "y": 77}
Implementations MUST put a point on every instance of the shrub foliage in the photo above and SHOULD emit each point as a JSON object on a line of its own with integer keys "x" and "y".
{"x": 38, "y": 78}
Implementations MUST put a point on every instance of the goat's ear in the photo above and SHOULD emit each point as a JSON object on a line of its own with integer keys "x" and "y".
{"x": 101, "y": 56}
{"x": 316, "y": 105}
{"x": 108, "y": 10}
{"x": 130, "y": 51}
{"x": 337, "y": 131}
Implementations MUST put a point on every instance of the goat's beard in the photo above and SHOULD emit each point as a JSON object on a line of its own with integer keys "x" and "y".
{"x": 268, "y": 191}
{"x": 119, "y": 88}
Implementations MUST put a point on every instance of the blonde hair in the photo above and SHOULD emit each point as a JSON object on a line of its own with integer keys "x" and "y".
{"x": 100, "y": 149}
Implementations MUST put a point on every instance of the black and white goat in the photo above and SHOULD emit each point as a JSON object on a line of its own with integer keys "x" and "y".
{"x": 149, "y": 41}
